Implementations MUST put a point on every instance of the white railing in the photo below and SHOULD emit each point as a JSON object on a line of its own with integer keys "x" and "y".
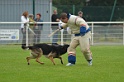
{"x": 103, "y": 33}
{"x": 109, "y": 26}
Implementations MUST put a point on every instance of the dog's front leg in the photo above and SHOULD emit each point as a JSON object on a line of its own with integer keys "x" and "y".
{"x": 61, "y": 60}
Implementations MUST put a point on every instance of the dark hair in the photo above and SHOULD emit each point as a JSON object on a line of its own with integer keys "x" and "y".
{"x": 39, "y": 14}
{"x": 25, "y": 14}
{"x": 63, "y": 15}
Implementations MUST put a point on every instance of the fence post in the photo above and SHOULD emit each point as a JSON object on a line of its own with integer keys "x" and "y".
{"x": 92, "y": 33}
{"x": 50, "y": 18}
{"x": 62, "y": 37}
{"x": 113, "y": 9}
{"x": 34, "y": 8}
{"x": 123, "y": 33}
{"x": 73, "y": 9}
{"x": 26, "y": 35}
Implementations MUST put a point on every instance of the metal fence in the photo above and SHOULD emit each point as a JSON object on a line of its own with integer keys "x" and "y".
{"x": 103, "y": 33}
{"x": 94, "y": 13}
{"x": 107, "y": 33}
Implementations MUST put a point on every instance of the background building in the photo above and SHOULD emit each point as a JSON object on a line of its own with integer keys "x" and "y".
{"x": 11, "y": 11}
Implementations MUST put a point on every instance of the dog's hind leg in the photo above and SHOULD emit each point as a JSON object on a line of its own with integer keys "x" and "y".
{"x": 30, "y": 57}
{"x": 37, "y": 59}
{"x": 61, "y": 59}
{"x": 51, "y": 58}
{"x": 39, "y": 55}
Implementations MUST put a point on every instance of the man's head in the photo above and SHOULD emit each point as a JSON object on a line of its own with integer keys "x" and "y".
{"x": 31, "y": 16}
{"x": 38, "y": 15}
{"x": 54, "y": 11}
{"x": 64, "y": 17}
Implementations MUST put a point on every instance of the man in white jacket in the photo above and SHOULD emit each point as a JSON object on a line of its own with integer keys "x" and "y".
{"x": 82, "y": 33}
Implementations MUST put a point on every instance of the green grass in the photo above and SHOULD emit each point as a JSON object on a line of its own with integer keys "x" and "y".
{"x": 108, "y": 66}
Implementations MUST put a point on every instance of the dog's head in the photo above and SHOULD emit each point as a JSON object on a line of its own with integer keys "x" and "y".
{"x": 65, "y": 46}
{"x": 63, "y": 49}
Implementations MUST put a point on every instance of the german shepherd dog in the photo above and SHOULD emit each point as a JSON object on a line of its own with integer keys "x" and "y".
{"x": 49, "y": 51}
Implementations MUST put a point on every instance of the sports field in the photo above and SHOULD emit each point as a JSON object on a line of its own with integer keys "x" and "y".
{"x": 108, "y": 66}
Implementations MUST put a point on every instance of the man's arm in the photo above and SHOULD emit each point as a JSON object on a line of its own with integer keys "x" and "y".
{"x": 82, "y": 24}
{"x": 63, "y": 25}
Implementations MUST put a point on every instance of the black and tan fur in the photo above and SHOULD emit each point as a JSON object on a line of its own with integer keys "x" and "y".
{"x": 49, "y": 51}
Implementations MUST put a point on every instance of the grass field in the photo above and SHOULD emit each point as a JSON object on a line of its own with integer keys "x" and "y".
{"x": 108, "y": 66}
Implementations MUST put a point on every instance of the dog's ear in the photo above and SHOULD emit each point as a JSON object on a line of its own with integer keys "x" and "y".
{"x": 67, "y": 45}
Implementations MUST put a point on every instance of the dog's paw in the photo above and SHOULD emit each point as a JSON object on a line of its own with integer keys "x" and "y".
{"x": 61, "y": 62}
{"x": 28, "y": 63}
{"x": 42, "y": 63}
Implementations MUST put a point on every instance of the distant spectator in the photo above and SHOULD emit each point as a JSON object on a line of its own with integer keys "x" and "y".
{"x": 25, "y": 20}
{"x": 31, "y": 26}
{"x": 55, "y": 18}
{"x": 38, "y": 28}
{"x": 80, "y": 14}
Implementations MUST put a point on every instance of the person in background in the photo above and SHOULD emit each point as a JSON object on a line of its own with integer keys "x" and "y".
{"x": 25, "y": 20}
{"x": 55, "y": 18}
{"x": 31, "y": 26}
{"x": 38, "y": 28}
{"x": 80, "y": 14}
